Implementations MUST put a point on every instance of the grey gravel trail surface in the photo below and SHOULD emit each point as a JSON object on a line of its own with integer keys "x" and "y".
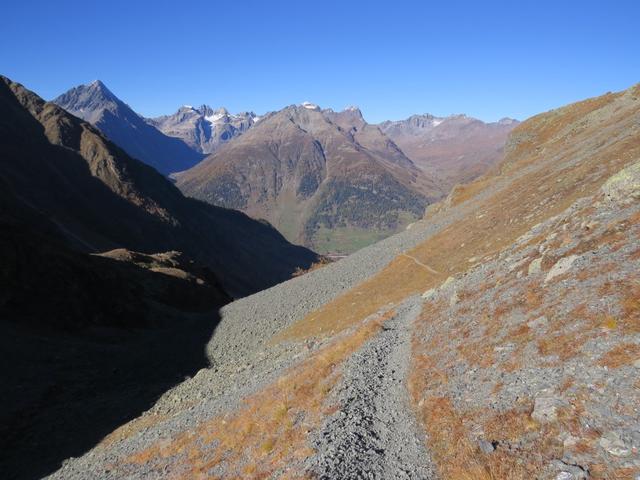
{"x": 375, "y": 435}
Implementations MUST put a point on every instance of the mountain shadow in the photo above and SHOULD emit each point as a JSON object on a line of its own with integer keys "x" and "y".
{"x": 88, "y": 343}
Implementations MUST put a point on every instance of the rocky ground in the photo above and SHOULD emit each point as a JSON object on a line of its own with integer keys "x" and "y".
{"x": 526, "y": 366}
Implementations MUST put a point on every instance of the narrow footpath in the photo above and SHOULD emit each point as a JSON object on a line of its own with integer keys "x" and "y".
{"x": 375, "y": 435}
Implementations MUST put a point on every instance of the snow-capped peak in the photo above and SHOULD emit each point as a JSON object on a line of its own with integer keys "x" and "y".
{"x": 310, "y": 106}
{"x": 215, "y": 117}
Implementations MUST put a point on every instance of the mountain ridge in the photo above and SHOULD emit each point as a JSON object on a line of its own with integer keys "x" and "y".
{"x": 456, "y": 148}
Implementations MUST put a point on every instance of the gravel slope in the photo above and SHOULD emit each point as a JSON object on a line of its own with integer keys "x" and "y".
{"x": 375, "y": 434}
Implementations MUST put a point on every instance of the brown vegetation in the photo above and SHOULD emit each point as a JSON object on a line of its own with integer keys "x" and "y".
{"x": 621, "y": 355}
{"x": 322, "y": 262}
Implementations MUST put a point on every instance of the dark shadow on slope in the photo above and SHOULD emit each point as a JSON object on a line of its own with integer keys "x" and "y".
{"x": 87, "y": 344}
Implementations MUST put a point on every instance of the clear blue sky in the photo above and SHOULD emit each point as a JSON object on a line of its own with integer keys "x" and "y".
{"x": 489, "y": 59}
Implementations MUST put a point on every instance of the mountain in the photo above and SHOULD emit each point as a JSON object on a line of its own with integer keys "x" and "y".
{"x": 457, "y": 148}
{"x": 96, "y": 104}
{"x": 497, "y": 338}
{"x": 204, "y": 129}
{"x": 325, "y": 179}
{"x": 99, "y": 198}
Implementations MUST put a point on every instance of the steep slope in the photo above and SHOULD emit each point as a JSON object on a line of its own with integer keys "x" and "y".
{"x": 204, "y": 129}
{"x": 456, "y": 148}
{"x": 315, "y": 181}
{"x": 523, "y": 359}
{"x": 100, "y": 199}
{"x": 98, "y": 106}
{"x": 526, "y": 366}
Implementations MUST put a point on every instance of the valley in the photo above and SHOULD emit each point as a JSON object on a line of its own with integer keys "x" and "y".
{"x": 319, "y": 241}
{"x": 516, "y": 350}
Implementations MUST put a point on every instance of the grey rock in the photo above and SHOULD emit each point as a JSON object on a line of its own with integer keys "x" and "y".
{"x": 535, "y": 266}
{"x": 624, "y": 186}
{"x": 560, "y": 267}
{"x": 614, "y": 445}
{"x": 486, "y": 447}
{"x": 545, "y": 408}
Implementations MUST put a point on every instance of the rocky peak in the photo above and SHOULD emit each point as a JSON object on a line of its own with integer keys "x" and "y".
{"x": 92, "y": 97}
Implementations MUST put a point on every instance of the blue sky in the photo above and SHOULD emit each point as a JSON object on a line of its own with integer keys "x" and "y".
{"x": 489, "y": 59}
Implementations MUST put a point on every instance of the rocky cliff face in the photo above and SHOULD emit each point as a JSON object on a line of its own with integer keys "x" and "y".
{"x": 325, "y": 179}
{"x": 96, "y": 104}
{"x": 204, "y": 129}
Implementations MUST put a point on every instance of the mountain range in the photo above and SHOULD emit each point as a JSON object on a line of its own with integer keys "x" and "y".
{"x": 456, "y": 149}
{"x": 325, "y": 179}
{"x": 99, "y": 198}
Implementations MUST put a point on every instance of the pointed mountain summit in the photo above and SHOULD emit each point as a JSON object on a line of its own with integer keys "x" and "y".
{"x": 89, "y": 101}
{"x": 96, "y": 104}
{"x": 204, "y": 129}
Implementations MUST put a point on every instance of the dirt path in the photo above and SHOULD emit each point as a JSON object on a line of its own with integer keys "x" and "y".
{"x": 418, "y": 262}
{"x": 374, "y": 435}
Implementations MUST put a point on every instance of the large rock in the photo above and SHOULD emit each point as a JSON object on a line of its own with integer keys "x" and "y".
{"x": 624, "y": 186}
{"x": 560, "y": 267}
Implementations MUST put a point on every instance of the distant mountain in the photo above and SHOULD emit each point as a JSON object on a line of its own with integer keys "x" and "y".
{"x": 204, "y": 129}
{"x": 97, "y": 198}
{"x": 96, "y": 104}
{"x": 457, "y": 148}
{"x": 326, "y": 179}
